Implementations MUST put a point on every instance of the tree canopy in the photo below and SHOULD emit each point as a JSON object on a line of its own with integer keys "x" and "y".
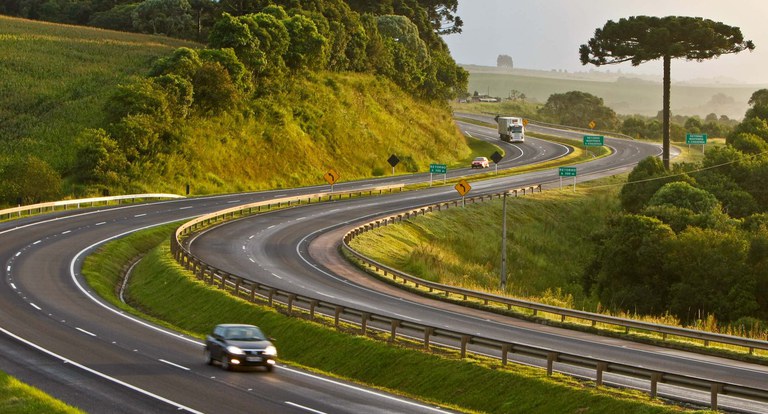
{"x": 640, "y": 39}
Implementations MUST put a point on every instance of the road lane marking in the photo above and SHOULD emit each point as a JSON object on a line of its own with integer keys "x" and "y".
{"x": 85, "y": 332}
{"x": 140, "y": 215}
{"x": 18, "y": 254}
{"x": 37, "y": 242}
{"x": 100, "y": 374}
{"x": 273, "y": 274}
{"x": 66, "y": 232}
{"x": 8, "y": 269}
{"x": 35, "y": 306}
{"x": 311, "y": 410}
{"x": 175, "y": 365}
{"x": 100, "y": 223}
{"x": 185, "y": 208}
{"x": 251, "y": 259}
{"x": 13, "y": 286}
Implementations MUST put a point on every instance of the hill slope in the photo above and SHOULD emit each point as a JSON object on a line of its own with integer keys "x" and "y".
{"x": 58, "y": 78}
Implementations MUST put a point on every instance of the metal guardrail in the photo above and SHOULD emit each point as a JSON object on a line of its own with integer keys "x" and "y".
{"x": 258, "y": 292}
{"x": 487, "y": 298}
{"x": 51, "y": 206}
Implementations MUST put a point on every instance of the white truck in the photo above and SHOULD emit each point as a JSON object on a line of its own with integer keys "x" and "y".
{"x": 511, "y": 129}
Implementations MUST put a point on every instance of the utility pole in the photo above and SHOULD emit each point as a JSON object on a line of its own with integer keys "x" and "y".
{"x": 504, "y": 244}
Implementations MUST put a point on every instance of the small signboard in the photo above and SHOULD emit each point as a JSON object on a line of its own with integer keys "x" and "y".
{"x": 463, "y": 187}
{"x": 695, "y": 139}
{"x": 331, "y": 176}
{"x": 438, "y": 168}
{"x": 567, "y": 171}
{"x": 393, "y": 160}
{"x": 594, "y": 140}
{"x": 496, "y": 157}
{"x": 592, "y": 124}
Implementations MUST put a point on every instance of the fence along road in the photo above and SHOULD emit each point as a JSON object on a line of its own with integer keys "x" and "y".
{"x": 292, "y": 302}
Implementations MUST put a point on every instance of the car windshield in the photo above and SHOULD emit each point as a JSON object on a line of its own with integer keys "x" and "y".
{"x": 246, "y": 333}
{"x": 479, "y": 159}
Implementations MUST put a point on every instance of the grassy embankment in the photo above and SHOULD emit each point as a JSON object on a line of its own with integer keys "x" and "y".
{"x": 57, "y": 80}
{"x": 19, "y": 398}
{"x": 166, "y": 293}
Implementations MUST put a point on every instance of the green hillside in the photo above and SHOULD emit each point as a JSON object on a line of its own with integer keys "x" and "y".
{"x": 56, "y": 89}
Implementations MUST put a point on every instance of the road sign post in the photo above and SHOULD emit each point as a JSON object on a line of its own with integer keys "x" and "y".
{"x": 496, "y": 158}
{"x": 438, "y": 169}
{"x": 567, "y": 172}
{"x": 331, "y": 177}
{"x": 463, "y": 188}
{"x": 393, "y": 160}
{"x": 696, "y": 139}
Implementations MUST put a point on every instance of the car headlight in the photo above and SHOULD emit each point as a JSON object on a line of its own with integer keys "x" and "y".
{"x": 235, "y": 350}
{"x": 270, "y": 350}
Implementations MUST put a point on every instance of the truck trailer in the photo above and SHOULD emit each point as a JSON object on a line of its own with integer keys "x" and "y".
{"x": 511, "y": 129}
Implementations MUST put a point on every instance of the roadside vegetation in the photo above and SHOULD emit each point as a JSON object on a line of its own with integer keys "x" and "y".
{"x": 19, "y": 398}
{"x": 162, "y": 291}
{"x": 685, "y": 247}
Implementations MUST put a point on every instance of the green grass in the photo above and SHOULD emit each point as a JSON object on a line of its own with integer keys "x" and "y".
{"x": 19, "y": 398}
{"x": 161, "y": 289}
{"x": 56, "y": 78}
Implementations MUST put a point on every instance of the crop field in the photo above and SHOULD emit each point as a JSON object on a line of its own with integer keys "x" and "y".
{"x": 53, "y": 79}
{"x": 625, "y": 95}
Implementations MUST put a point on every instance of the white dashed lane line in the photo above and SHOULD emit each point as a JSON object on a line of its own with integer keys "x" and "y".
{"x": 174, "y": 365}
{"x": 35, "y": 306}
{"x": 85, "y": 332}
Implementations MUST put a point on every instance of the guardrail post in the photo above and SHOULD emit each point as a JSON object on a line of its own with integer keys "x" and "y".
{"x": 504, "y": 353}
{"x": 551, "y": 358}
{"x": 271, "y": 295}
{"x": 427, "y": 333}
{"x": 291, "y": 298}
{"x": 336, "y": 314}
{"x": 312, "y": 305}
{"x": 253, "y": 293}
{"x": 714, "y": 390}
{"x": 655, "y": 378}
{"x": 601, "y": 366}
{"x": 393, "y": 331}
{"x": 364, "y": 322}
{"x": 464, "y": 341}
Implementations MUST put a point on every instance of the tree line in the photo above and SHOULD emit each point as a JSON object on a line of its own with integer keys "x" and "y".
{"x": 693, "y": 240}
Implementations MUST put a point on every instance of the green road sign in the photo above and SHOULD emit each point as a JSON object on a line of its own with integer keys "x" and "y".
{"x": 567, "y": 171}
{"x": 695, "y": 139}
{"x": 438, "y": 168}
{"x": 593, "y": 140}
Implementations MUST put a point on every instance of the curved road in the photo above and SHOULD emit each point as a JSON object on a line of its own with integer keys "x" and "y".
{"x": 56, "y": 334}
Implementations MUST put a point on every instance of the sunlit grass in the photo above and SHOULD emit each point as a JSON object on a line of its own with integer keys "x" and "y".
{"x": 19, "y": 398}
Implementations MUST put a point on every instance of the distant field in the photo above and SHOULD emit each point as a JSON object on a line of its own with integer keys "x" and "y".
{"x": 54, "y": 80}
{"x": 625, "y": 95}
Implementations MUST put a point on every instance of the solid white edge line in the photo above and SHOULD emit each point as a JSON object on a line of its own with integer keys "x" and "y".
{"x": 363, "y": 390}
{"x": 94, "y": 372}
{"x": 311, "y": 410}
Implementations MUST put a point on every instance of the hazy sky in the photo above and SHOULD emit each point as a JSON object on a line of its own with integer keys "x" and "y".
{"x": 546, "y": 34}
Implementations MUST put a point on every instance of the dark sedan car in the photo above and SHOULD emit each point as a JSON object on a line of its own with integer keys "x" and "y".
{"x": 237, "y": 345}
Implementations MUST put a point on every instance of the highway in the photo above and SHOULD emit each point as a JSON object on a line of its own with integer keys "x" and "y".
{"x": 60, "y": 337}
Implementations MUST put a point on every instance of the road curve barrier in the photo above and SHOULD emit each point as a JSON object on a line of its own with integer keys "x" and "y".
{"x": 51, "y": 206}
{"x": 393, "y": 328}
